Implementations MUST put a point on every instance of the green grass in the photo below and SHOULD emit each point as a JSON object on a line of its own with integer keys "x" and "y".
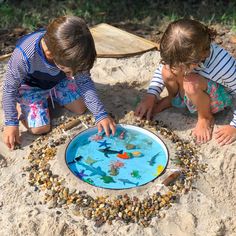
{"x": 36, "y": 13}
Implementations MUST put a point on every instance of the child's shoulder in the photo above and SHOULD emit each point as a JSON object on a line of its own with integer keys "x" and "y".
{"x": 28, "y": 43}
{"x": 217, "y": 48}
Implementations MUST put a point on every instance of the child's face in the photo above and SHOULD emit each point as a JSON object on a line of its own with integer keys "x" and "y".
{"x": 67, "y": 70}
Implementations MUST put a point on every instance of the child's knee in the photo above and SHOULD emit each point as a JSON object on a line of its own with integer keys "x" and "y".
{"x": 40, "y": 130}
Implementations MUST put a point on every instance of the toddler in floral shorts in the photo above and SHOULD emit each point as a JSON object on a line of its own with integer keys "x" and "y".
{"x": 198, "y": 74}
{"x": 51, "y": 64}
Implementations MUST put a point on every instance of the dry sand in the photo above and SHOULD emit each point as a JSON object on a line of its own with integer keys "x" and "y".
{"x": 208, "y": 210}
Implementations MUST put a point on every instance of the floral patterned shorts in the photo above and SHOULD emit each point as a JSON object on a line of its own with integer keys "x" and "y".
{"x": 34, "y": 101}
{"x": 220, "y": 99}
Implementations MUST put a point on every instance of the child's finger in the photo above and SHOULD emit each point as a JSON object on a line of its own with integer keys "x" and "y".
{"x": 226, "y": 140}
{"x": 149, "y": 114}
{"x": 7, "y": 142}
{"x": 107, "y": 131}
{"x": 12, "y": 142}
{"x": 113, "y": 128}
{"x": 99, "y": 128}
{"x": 136, "y": 112}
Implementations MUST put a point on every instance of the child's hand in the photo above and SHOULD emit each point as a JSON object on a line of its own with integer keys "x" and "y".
{"x": 225, "y": 134}
{"x": 145, "y": 107}
{"x": 11, "y": 136}
{"x": 107, "y": 124}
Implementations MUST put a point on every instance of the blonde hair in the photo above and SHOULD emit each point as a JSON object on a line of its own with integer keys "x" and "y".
{"x": 184, "y": 41}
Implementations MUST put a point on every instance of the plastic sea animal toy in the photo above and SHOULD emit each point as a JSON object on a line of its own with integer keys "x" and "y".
{"x": 89, "y": 181}
{"x": 160, "y": 168}
{"x": 152, "y": 161}
{"x": 103, "y": 143}
{"x": 126, "y": 181}
{"x": 107, "y": 179}
{"x": 90, "y": 160}
{"x": 122, "y": 134}
{"x": 107, "y": 151}
{"x": 113, "y": 171}
{"x": 135, "y": 174}
{"x": 118, "y": 164}
{"x": 130, "y": 146}
{"x": 75, "y": 160}
{"x": 80, "y": 174}
{"x": 97, "y": 137}
{"x": 94, "y": 170}
{"x": 137, "y": 154}
{"x": 123, "y": 155}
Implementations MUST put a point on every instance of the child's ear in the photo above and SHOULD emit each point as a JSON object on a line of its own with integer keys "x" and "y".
{"x": 48, "y": 55}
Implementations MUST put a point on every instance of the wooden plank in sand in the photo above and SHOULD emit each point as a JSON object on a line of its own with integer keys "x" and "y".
{"x": 113, "y": 42}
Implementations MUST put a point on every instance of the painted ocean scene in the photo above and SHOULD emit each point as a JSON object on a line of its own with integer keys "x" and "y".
{"x": 132, "y": 157}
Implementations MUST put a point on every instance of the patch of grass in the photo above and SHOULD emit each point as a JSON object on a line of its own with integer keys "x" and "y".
{"x": 32, "y": 14}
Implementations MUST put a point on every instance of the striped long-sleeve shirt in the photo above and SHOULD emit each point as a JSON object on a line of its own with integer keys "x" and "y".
{"x": 220, "y": 67}
{"x": 28, "y": 65}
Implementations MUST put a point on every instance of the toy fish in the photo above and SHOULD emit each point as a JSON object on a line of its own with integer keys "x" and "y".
{"x": 76, "y": 159}
{"x": 160, "y": 168}
{"x": 126, "y": 181}
{"x": 135, "y": 174}
{"x": 152, "y": 162}
{"x": 107, "y": 179}
{"x": 108, "y": 151}
{"x": 94, "y": 170}
{"x": 137, "y": 154}
{"x": 123, "y": 155}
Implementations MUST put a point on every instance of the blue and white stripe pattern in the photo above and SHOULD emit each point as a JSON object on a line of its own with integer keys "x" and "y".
{"x": 220, "y": 67}
{"x": 28, "y": 65}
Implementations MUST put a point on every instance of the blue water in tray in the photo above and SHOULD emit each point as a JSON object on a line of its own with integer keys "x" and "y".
{"x": 132, "y": 157}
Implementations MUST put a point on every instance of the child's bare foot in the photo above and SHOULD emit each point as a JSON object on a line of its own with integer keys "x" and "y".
{"x": 203, "y": 130}
{"x": 163, "y": 104}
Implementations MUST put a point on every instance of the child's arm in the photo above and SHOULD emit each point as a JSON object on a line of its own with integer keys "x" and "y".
{"x": 220, "y": 67}
{"x": 145, "y": 108}
{"x": 15, "y": 72}
{"x": 94, "y": 104}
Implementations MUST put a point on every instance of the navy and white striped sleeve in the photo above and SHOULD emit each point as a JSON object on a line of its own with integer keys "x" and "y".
{"x": 224, "y": 72}
{"x": 157, "y": 84}
{"x": 16, "y": 71}
{"x": 89, "y": 95}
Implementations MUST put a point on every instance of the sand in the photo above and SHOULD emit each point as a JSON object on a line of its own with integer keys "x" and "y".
{"x": 209, "y": 209}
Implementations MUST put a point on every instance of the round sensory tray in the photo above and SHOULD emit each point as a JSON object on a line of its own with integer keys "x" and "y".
{"x": 132, "y": 157}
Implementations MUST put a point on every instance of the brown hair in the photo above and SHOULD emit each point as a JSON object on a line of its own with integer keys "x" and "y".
{"x": 184, "y": 42}
{"x": 71, "y": 43}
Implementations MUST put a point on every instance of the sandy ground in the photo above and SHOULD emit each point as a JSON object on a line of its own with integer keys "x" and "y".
{"x": 209, "y": 209}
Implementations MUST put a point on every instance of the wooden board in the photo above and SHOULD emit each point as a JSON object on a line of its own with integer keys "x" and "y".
{"x": 113, "y": 42}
